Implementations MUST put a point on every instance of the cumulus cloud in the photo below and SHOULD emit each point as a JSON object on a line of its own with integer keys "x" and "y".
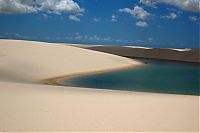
{"x": 45, "y": 15}
{"x": 96, "y": 19}
{"x": 61, "y": 6}
{"x": 30, "y": 6}
{"x": 170, "y": 16}
{"x": 113, "y": 18}
{"x": 187, "y": 5}
{"x": 17, "y": 6}
{"x": 74, "y": 18}
{"x": 137, "y": 12}
{"x": 150, "y": 3}
{"x": 193, "y": 18}
{"x": 141, "y": 24}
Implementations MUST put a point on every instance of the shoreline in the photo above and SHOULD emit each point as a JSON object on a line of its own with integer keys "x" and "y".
{"x": 55, "y": 80}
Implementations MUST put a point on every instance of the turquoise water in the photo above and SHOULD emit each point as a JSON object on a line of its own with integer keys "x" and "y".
{"x": 155, "y": 76}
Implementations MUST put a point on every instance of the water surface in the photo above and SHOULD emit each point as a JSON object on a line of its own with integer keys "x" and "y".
{"x": 155, "y": 76}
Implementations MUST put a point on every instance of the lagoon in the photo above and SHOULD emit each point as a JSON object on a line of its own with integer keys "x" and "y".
{"x": 156, "y": 76}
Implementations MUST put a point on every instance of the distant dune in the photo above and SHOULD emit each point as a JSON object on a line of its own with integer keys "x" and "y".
{"x": 188, "y": 55}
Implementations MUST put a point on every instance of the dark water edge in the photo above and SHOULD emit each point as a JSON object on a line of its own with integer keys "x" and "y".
{"x": 156, "y": 76}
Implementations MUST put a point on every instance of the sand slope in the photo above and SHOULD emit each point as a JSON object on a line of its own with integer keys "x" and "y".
{"x": 49, "y": 108}
{"x": 34, "y": 61}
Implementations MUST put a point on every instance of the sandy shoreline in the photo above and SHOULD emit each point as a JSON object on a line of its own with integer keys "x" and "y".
{"x": 27, "y": 106}
{"x": 56, "y": 80}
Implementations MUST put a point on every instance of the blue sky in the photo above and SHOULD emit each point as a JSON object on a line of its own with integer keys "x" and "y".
{"x": 151, "y": 23}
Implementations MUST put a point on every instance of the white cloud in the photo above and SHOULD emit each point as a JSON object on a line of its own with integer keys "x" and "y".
{"x": 170, "y": 16}
{"x": 100, "y": 39}
{"x": 96, "y": 19}
{"x": 141, "y": 24}
{"x": 74, "y": 18}
{"x": 187, "y": 5}
{"x": 78, "y": 37}
{"x": 137, "y": 12}
{"x": 126, "y": 10}
{"x": 45, "y": 15}
{"x": 14, "y": 35}
{"x": 193, "y": 18}
{"x": 113, "y": 18}
{"x": 150, "y": 3}
{"x": 60, "y": 6}
{"x": 16, "y": 6}
{"x": 30, "y": 6}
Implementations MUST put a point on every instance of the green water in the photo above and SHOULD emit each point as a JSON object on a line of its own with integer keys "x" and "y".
{"x": 155, "y": 76}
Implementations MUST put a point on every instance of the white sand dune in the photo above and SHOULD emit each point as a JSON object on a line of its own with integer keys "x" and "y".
{"x": 83, "y": 45}
{"x": 184, "y": 49}
{"x": 36, "y": 61}
{"x": 35, "y": 107}
{"x": 26, "y": 107}
{"x": 138, "y": 47}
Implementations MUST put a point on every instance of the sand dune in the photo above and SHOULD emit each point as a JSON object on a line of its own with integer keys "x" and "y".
{"x": 35, "y": 107}
{"x": 26, "y": 107}
{"x": 186, "y": 55}
{"x": 35, "y": 61}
